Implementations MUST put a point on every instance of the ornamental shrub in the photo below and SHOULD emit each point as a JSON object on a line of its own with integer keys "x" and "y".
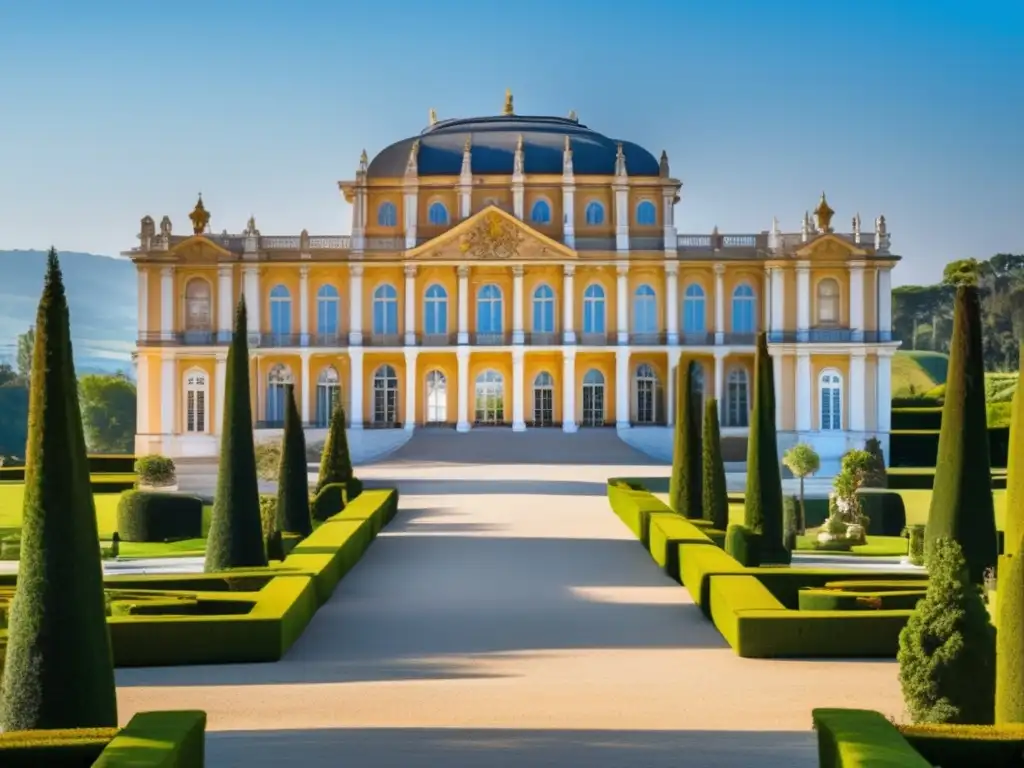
{"x": 715, "y": 497}
{"x": 1010, "y": 640}
{"x": 744, "y": 545}
{"x": 236, "y": 538}
{"x": 58, "y": 671}
{"x": 947, "y": 649}
{"x": 154, "y": 516}
{"x": 335, "y": 460}
{"x": 961, "y": 505}
{"x": 155, "y": 470}
{"x": 268, "y": 459}
{"x": 293, "y": 478}
{"x": 329, "y": 501}
{"x": 685, "y": 484}
{"x": 1013, "y": 521}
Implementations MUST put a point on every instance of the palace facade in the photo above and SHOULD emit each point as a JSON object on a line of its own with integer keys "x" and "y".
{"x": 516, "y": 271}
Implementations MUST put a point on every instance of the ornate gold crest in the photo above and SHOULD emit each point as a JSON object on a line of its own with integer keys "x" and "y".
{"x": 200, "y": 217}
{"x": 494, "y": 237}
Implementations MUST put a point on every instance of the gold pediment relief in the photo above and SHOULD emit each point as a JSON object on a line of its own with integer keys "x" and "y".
{"x": 198, "y": 248}
{"x": 492, "y": 235}
{"x": 830, "y": 248}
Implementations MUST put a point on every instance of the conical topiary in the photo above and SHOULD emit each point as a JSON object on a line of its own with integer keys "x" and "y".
{"x": 335, "y": 460}
{"x": 293, "y": 476}
{"x": 236, "y": 533}
{"x": 961, "y": 506}
{"x": 59, "y": 670}
{"x": 763, "y": 503}
{"x": 1010, "y": 639}
{"x": 715, "y": 496}
{"x": 1013, "y": 518}
{"x": 685, "y": 483}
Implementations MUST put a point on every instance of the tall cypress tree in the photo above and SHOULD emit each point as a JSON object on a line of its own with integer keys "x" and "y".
{"x": 1013, "y": 520}
{"x": 335, "y": 460}
{"x": 763, "y": 503}
{"x": 961, "y": 507}
{"x": 293, "y": 476}
{"x": 236, "y": 532}
{"x": 58, "y": 640}
{"x": 685, "y": 482}
{"x": 715, "y": 497}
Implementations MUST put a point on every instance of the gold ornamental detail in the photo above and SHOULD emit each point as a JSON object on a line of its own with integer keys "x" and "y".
{"x": 492, "y": 238}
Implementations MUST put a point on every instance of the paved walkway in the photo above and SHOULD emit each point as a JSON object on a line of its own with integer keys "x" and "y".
{"x": 507, "y": 618}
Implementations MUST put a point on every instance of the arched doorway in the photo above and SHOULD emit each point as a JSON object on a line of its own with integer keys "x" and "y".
{"x": 543, "y": 400}
{"x": 647, "y": 395}
{"x": 490, "y": 398}
{"x": 385, "y": 396}
{"x": 437, "y": 398}
{"x": 328, "y": 389}
{"x": 593, "y": 399}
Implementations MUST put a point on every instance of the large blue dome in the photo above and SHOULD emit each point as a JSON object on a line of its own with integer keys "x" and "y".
{"x": 494, "y": 142}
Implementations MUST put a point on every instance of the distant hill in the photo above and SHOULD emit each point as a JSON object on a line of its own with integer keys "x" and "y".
{"x": 101, "y": 296}
{"x": 917, "y": 371}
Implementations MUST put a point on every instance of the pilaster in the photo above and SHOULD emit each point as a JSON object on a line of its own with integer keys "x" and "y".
{"x": 304, "y": 395}
{"x": 410, "y": 305}
{"x": 622, "y": 303}
{"x": 568, "y": 305}
{"x": 411, "y": 380}
{"x": 462, "y": 357}
{"x": 622, "y": 393}
{"x": 304, "y": 307}
{"x": 142, "y": 281}
{"x": 672, "y": 301}
{"x": 803, "y": 392}
{"x": 857, "y": 300}
{"x": 621, "y": 217}
{"x": 778, "y": 300}
{"x": 803, "y": 300}
{"x": 355, "y": 308}
{"x": 518, "y": 337}
{"x": 857, "y": 391}
{"x": 355, "y": 416}
{"x": 167, "y": 303}
{"x": 518, "y": 390}
{"x": 883, "y": 392}
{"x": 675, "y": 354}
{"x": 719, "y": 303}
{"x": 720, "y": 355}
{"x": 568, "y": 196}
{"x": 463, "y": 337}
{"x": 220, "y": 380}
{"x": 885, "y": 303}
{"x": 168, "y": 394}
{"x": 225, "y": 303}
{"x": 253, "y": 303}
{"x": 142, "y": 425}
{"x": 568, "y": 389}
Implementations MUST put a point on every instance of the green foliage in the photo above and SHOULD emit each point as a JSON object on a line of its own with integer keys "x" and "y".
{"x": 236, "y": 539}
{"x": 26, "y": 343}
{"x": 962, "y": 273}
{"x": 268, "y": 459}
{"x": 335, "y": 461}
{"x": 714, "y": 496}
{"x": 915, "y": 545}
{"x": 329, "y": 501}
{"x": 947, "y": 649}
{"x": 685, "y": 485}
{"x": 763, "y": 499}
{"x": 153, "y": 516}
{"x": 108, "y": 408}
{"x": 1009, "y": 706}
{"x": 802, "y": 460}
{"x": 58, "y": 633}
{"x": 961, "y": 505}
{"x": 860, "y": 738}
{"x": 1013, "y": 522}
{"x": 875, "y": 475}
{"x": 792, "y": 522}
{"x": 293, "y": 479}
{"x": 268, "y": 515}
{"x": 155, "y": 469}
{"x": 743, "y": 545}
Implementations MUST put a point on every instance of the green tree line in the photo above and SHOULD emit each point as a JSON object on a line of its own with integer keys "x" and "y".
{"x": 923, "y": 314}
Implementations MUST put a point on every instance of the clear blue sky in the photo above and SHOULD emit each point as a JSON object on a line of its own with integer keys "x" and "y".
{"x": 111, "y": 109}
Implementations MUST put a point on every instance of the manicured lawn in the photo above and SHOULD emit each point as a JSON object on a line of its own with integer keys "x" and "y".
{"x": 877, "y": 546}
{"x": 917, "y": 372}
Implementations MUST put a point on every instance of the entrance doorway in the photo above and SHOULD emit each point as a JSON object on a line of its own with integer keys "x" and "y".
{"x": 543, "y": 400}
{"x": 490, "y": 398}
{"x": 593, "y": 399}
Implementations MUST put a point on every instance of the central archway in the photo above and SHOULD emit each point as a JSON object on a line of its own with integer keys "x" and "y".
{"x": 490, "y": 398}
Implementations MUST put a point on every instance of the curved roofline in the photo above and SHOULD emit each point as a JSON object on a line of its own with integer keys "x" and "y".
{"x": 454, "y": 122}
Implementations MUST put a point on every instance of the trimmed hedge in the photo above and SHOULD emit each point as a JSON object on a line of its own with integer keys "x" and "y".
{"x": 333, "y": 497}
{"x": 634, "y": 507}
{"x": 667, "y": 531}
{"x": 920, "y": 447}
{"x": 744, "y": 545}
{"x": 825, "y": 599}
{"x": 917, "y": 418}
{"x": 154, "y": 516}
{"x": 861, "y": 738}
{"x": 967, "y": 746}
{"x": 65, "y": 748}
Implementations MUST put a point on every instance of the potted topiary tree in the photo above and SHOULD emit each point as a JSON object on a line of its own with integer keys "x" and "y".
{"x": 802, "y": 461}
{"x": 156, "y": 473}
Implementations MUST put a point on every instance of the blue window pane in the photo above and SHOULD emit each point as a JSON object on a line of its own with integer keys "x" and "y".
{"x": 595, "y": 213}
{"x": 541, "y": 213}
{"x": 387, "y": 215}
{"x": 646, "y": 213}
{"x": 437, "y": 214}
{"x": 327, "y": 317}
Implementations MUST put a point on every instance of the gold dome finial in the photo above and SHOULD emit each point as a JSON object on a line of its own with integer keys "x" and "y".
{"x": 508, "y": 103}
{"x": 433, "y": 116}
{"x": 363, "y": 158}
{"x": 200, "y": 216}
{"x": 824, "y": 214}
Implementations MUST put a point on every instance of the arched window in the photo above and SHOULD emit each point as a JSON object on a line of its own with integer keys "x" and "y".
{"x": 196, "y": 399}
{"x": 490, "y": 398}
{"x": 646, "y": 213}
{"x": 595, "y": 213}
{"x": 743, "y": 314}
{"x": 437, "y": 398}
{"x": 278, "y": 379}
{"x": 543, "y": 400}
{"x": 198, "y": 315}
{"x": 647, "y": 405}
{"x": 385, "y": 310}
{"x": 544, "y": 310}
{"x": 385, "y": 396}
{"x": 693, "y": 309}
{"x": 541, "y": 212}
{"x": 327, "y": 311}
{"x": 328, "y": 390}
{"x": 737, "y": 398}
{"x": 280, "y": 311}
{"x": 593, "y": 309}
{"x": 488, "y": 309}
{"x": 593, "y": 399}
{"x": 828, "y": 301}
{"x": 437, "y": 214}
{"x": 645, "y": 310}
{"x": 435, "y": 311}
{"x": 387, "y": 215}
{"x": 830, "y": 383}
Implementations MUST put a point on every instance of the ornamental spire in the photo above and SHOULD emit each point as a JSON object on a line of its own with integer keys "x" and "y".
{"x": 200, "y": 216}
{"x": 824, "y": 215}
{"x": 508, "y": 110}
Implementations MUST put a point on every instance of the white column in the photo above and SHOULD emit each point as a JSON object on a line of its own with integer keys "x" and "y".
{"x": 621, "y": 219}
{"x": 622, "y": 303}
{"x": 622, "y": 388}
{"x": 167, "y": 303}
{"x": 856, "y": 391}
{"x": 803, "y": 301}
{"x": 143, "y": 304}
{"x": 569, "y": 389}
{"x": 410, "y": 305}
{"x": 857, "y": 300}
{"x": 463, "y": 337}
{"x": 720, "y": 383}
{"x": 411, "y": 211}
{"x": 517, "y": 304}
{"x": 225, "y": 304}
{"x": 304, "y": 307}
{"x": 568, "y": 332}
{"x": 518, "y": 390}
{"x": 355, "y": 310}
{"x": 719, "y": 303}
{"x": 669, "y": 224}
{"x": 767, "y": 300}
{"x": 804, "y": 392}
{"x": 251, "y": 291}
{"x": 142, "y": 425}
{"x": 462, "y": 356}
{"x": 168, "y": 389}
{"x": 885, "y": 304}
{"x": 220, "y": 378}
{"x": 568, "y": 214}
{"x": 518, "y": 200}
{"x": 883, "y": 393}
{"x": 355, "y": 415}
{"x": 778, "y": 320}
{"x": 411, "y": 387}
{"x": 778, "y": 360}
{"x": 672, "y": 301}
{"x": 674, "y": 356}
{"x": 304, "y": 394}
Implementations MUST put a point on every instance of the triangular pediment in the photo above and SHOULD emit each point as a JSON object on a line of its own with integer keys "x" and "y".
{"x": 199, "y": 247}
{"x": 491, "y": 235}
{"x": 829, "y": 246}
